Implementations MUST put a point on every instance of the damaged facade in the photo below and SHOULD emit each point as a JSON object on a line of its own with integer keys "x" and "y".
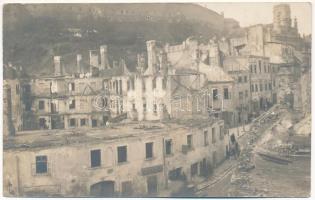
{"x": 129, "y": 160}
{"x": 125, "y": 130}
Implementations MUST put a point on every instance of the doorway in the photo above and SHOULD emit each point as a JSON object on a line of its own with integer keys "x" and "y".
{"x": 152, "y": 184}
{"x": 103, "y": 189}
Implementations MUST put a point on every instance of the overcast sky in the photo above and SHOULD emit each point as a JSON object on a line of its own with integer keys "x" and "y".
{"x": 255, "y": 13}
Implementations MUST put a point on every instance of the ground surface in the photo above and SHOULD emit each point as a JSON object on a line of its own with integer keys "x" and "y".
{"x": 267, "y": 179}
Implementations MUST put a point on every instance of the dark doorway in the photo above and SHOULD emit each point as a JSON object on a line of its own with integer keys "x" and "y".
{"x": 274, "y": 98}
{"x": 105, "y": 119}
{"x": 203, "y": 168}
{"x": 103, "y": 189}
{"x": 152, "y": 184}
{"x": 94, "y": 123}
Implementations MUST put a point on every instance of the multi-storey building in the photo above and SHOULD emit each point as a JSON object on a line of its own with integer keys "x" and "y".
{"x": 136, "y": 159}
{"x": 238, "y": 68}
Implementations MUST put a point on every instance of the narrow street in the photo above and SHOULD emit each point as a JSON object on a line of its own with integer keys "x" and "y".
{"x": 267, "y": 179}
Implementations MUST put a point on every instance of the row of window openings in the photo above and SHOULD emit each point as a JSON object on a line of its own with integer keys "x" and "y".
{"x": 42, "y": 165}
{"x": 254, "y": 87}
{"x": 241, "y": 94}
{"x": 72, "y": 104}
{"x": 253, "y": 68}
{"x": 41, "y": 105}
{"x": 131, "y": 86}
{"x": 215, "y": 94}
{"x": 240, "y": 79}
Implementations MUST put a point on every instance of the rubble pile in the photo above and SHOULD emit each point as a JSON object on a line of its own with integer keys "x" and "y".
{"x": 241, "y": 178}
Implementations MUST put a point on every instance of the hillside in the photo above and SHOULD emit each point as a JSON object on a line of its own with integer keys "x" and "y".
{"x": 33, "y": 33}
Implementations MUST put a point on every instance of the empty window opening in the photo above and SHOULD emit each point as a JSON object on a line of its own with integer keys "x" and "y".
{"x": 213, "y": 135}
{"x": 189, "y": 141}
{"x": 83, "y": 122}
{"x": 226, "y": 93}
{"x": 72, "y": 104}
{"x": 94, "y": 123}
{"x": 72, "y": 122}
{"x": 205, "y": 137}
{"x": 168, "y": 147}
{"x": 41, "y": 164}
{"x": 149, "y": 150}
{"x": 122, "y": 154}
{"x": 215, "y": 94}
{"x": 96, "y": 158}
{"x": 41, "y": 105}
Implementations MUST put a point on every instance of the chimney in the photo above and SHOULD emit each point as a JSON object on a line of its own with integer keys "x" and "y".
{"x": 93, "y": 60}
{"x": 151, "y": 56}
{"x": 104, "y": 58}
{"x": 79, "y": 64}
{"x": 58, "y": 71}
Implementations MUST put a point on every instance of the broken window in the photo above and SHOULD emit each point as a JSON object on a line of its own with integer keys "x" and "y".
{"x": 96, "y": 158}
{"x": 71, "y": 87}
{"x": 82, "y": 122}
{"x": 120, "y": 86}
{"x": 153, "y": 83}
{"x": 133, "y": 106}
{"x": 94, "y": 123}
{"x": 41, "y": 164}
{"x": 144, "y": 107}
{"x": 221, "y": 133}
{"x": 213, "y": 135}
{"x": 143, "y": 85}
{"x": 122, "y": 154}
{"x": 240, "y": 94}
{"x": 239, "y": 79}
{"x": 132, "y": 83}
{"x": 189, "y": 141}
{"x": 41, "y": 105}
{"x": 149, "y": 150}
{"x": 72, "y": 122}
{"x": 155, "y": 109}
{"x": 168, "y": 147}
{"x": 126, "y": 189}
{"x": 215, "y": 94}
{"x": 128, "y": 85}
{"x": 164, "y": 83}
{"x": 226, "y": 93}
{"x": 205, "y": 137}
{"x": 72, "y": 104}
{"x": 42, "y": 123}
{"x": 17, "y": 89}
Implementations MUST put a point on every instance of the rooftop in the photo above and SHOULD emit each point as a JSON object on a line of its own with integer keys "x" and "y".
{"x": 128, "y": 130}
